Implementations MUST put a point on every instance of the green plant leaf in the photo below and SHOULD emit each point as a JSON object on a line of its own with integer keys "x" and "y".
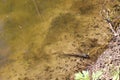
{"x": 86, "y": 75}
{"x": 116, "y": 75}
{"x": 78, "y": 76}
{"x": 96, "y": 75}
{"x": 82, "y": 76}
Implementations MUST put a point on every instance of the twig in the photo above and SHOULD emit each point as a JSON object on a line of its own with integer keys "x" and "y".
{"x": 106, "y": 16}
{"x": 111, "y": 27}
{"x": 36, "y": 7}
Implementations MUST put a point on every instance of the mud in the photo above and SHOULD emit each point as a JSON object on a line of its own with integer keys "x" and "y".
{"x": 37, "y": 32}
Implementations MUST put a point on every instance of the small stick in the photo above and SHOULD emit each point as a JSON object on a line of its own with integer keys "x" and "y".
{"x": 111, "y": 27}
{"x": 107, "y": 18}
{"x": 36, "y": 7}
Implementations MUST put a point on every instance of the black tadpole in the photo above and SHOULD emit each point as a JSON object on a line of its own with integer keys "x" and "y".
{"x": 83, "y": 55}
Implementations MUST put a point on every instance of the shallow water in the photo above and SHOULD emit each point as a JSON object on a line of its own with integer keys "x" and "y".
{"x": 32, "y": 31}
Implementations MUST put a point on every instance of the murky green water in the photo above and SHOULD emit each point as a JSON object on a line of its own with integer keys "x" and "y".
{"x": 31, "y": 31}
{"x": 21, "y": 25}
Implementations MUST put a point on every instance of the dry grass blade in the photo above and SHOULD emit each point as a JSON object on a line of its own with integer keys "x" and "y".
{"x": 36, "y": 7}
{"x": 106, "y": 17}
